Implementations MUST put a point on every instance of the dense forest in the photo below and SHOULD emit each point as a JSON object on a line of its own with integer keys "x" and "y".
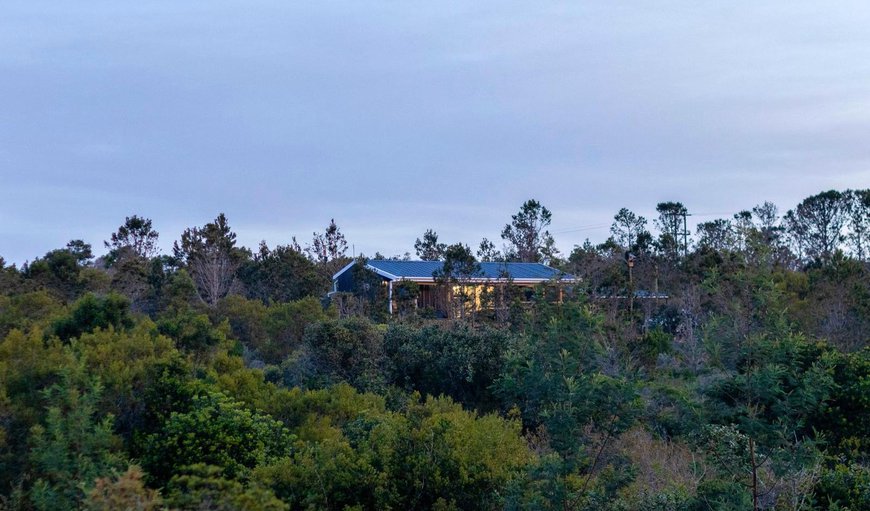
{"x": 724, "y": 369}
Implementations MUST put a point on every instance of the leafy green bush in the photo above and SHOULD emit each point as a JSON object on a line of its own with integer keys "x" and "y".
{"x": 91, "y": 312}
{"x": 216, "y": 431}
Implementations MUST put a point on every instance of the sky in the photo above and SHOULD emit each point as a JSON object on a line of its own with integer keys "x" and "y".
{"x": 395, "y": 117}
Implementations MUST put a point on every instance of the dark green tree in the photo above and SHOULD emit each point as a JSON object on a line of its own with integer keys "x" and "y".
{"x": 458, "y": 361}
{"x": 487, "y": 253}
{"x": 219, "y": 431}
{"x": 780, "y": 385}
{"x": 552, "y": 376}
{"x": 527, "y": 233}
{"x": 671, "y": 223}
{"x": 460, "y": 265}
{"x": 328, "y": 250}
{"x": 192, "y": 331}
{"x": 844, "y": 421}
{"x": 135, "y": 236}
{"x": 628, "y": 230}
{"x": 130, "y": 249}
{"x": 459, "y": 269}
{"x": 211, "y": 257}
{"x": 58, "y": 272}
{"x": 816, "y": 225}
{"x": 859, "y": 222}
{"x": 282, "y": 274}
{"x": 81, "y": 251}
{"x": 10, "y": 278}
{"x": 328, "y": 245}
{"x": 767, "y": 223}
{"x": 428, "y": 248}
{"x": 73, "y": 448}
{"x": 91, "y": 312}
{"x": 716, "y": 235}
{"x": 200, "y": 487}
{"x": 347, "y": 350}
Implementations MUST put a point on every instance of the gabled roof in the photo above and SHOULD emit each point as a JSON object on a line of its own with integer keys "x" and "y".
{"x": 422, "y": 271}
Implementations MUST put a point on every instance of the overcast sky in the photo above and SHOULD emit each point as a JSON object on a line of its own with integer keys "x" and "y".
{"x": 395, "y": 117}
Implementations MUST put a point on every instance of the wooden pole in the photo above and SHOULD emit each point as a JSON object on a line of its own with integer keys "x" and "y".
{"x": 390, "y": 295}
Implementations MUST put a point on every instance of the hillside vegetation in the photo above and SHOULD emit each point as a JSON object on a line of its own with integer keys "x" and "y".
{"x": 725, "y": 369}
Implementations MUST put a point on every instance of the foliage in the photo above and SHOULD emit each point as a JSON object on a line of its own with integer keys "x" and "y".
{"x": 629, "y": 231}
{"x": 459, "y": 268}
{"x": 211, "y": 257}
{"x": 287, "y": 323}
{"x": 92, "y": 312}
{"x": 328, "y": 251}
{"x": 58, "y": 272}
{"x": 845, "y": 487}
{"x": 281, "y": 274}
{"x": 671, "y": 223}
{"x": 23, "y": 311}
{"x": 486, "y": 252}
{"x": 201, "y": 487}
{"x": 72, "y": 448}
{"x": 127, "y": 491}
{"x": 192, "y": 331}
{"x": 460, "y": 362}
{"x": 273, "y": 331}
{"x": 433, "y": 454}
{"x": 528, "y": 235}
{"x": 555, "y": 383}
{"x": 428, "y": 248}
{"x": 727, "y": 373}
{"x": 217, "y": 431}
{"x": 858, "y": 206}
{"x": 779, "y": 384}
{"x": 81, "y": 251}
{"x": 350, "y": 350}
{"x": 128, "y": 365}
{"x": 816, "y": 224}
{"x": 136, "y": 236}
{"x": 845, "y": 419}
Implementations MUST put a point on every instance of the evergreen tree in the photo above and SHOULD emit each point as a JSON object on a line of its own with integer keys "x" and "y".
{"x": 73, "y": 448}
{"x": 428, "y": 248}
{"x": 212, "y": 258}
{"x": 527, "y": 233}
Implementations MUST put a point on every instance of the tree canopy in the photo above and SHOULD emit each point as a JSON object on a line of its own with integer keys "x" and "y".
{"x": 725, "y": 372}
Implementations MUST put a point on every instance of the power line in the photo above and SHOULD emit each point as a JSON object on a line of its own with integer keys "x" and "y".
{"x": 720, "y": 213}
{"x": 590, "y": 227}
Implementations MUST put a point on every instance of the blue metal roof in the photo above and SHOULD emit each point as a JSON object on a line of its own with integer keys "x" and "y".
{"x": 425, "y": 269}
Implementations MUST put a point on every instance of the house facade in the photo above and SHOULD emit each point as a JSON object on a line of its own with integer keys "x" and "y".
{"x": 434, "y": 292}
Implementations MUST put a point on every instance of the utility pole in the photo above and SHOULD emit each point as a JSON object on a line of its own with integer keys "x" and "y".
{"x": 685, "y": 214}
{"x": 670, "y": 225}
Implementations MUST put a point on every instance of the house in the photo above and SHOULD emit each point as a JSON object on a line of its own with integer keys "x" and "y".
{"x": 435, "y": 296}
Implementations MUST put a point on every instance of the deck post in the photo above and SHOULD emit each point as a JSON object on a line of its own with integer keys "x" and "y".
{"x": 390, "y": 295}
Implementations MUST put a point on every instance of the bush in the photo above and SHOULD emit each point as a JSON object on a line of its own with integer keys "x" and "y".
{"x": 216, "y": 431}
{"x": 24, "y": 310}
{"x": 286, "y": 324}
{"x": 191, "y": 331}
{"x": 350, "y": 350}
{"x": 127, "y": 491}
{"x": 73, "y": 448}
{"x": 91, "y": 312}
{"x": 460, "y": 361}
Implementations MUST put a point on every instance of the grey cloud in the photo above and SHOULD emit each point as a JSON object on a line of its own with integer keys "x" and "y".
{"x": 396, "y": 117}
